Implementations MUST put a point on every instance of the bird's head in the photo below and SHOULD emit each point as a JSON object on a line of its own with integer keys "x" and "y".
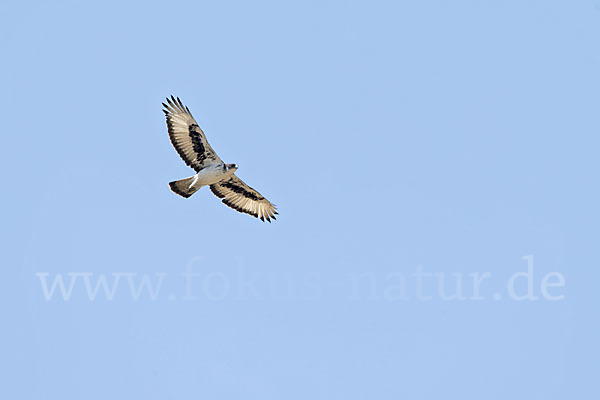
{"x": 231, "y": 167}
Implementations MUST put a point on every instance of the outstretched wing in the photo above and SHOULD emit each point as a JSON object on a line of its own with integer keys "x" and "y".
{"x": 241, "y": 197}
{"x": 187, "y": 137}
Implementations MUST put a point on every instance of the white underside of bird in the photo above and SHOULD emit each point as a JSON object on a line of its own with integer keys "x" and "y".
{"x": 211, "y": 174}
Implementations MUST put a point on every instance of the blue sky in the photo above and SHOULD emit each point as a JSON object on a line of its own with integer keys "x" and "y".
{"x": 408, "y": 146}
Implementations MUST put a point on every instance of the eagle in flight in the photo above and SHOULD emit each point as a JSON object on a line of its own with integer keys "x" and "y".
{"x": 192, "y": 146}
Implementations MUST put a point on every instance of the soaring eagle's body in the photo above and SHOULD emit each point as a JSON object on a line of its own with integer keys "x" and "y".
{"x": 191, "y": 144}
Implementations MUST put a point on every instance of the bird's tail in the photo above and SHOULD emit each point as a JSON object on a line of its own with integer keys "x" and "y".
{"x": 185, "y": 187}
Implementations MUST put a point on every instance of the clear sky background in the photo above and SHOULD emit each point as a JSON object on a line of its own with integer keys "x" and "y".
{"x": 395, "y": 137}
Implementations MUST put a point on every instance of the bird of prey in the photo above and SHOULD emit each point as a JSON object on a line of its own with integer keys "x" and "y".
{"x": 192, "y": 146}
